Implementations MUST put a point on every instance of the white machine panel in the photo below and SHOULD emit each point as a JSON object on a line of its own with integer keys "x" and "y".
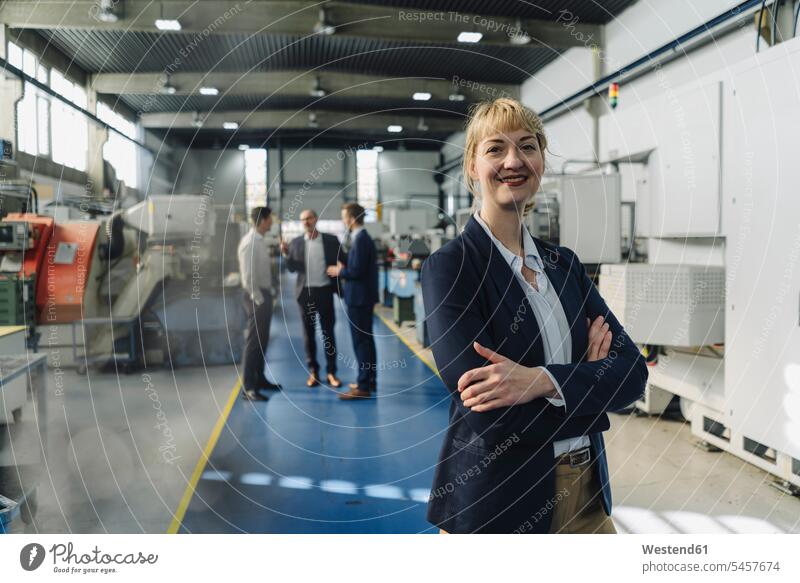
{"x": 697, "y": 378}
{"x": 762, "y": 225}
{"x": 589, "y": 217}
{"x": 173, "y": 216}
{"x": 686, "y": 180}
{"x": 680, "y": 129}
{"x": 628, "y": 131}
{"x": 670, "y": 305}
{"x": 409, "y": 221}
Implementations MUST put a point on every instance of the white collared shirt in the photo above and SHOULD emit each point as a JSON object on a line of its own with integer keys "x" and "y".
{"x": 355, "y": 231}
{"x": 255, "y": 265}
{"x": 549, "y": 313}
{"x": 315, "y": 262}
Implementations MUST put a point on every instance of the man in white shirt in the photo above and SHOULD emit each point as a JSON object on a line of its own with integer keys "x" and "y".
{"x": 256, "y": 271}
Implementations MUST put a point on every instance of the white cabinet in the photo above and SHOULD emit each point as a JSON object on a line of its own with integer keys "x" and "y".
{"x": 762, "y": 224}
{"x": 679, "y": 134}
{"x": 688, "y": 192}
{"x": 589, "y": 216}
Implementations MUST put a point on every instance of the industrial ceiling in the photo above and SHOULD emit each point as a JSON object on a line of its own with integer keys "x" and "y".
{"x": 305, "y": 69}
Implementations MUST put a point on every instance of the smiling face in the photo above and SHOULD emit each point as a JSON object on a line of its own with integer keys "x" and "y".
{"x": 309, "y": 220}
{"x": 508, "y": 166}
{"x": 504, "y": 154}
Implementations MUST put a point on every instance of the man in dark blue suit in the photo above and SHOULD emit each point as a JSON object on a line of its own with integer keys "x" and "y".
{"x": 360, "y": 276}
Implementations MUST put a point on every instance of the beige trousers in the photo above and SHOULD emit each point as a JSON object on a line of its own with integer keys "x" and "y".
{"x": 577, "y": 507}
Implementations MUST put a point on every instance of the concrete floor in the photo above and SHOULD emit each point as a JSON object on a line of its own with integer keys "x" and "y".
{"x": 115, "y": 464}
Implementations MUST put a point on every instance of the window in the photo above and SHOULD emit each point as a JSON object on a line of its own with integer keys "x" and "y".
{"x": 29, "y": 63}
{"x": 46, "y": 126}
{"x": 26, "y": 121}
{"x": 367, "y": 179}
{"x": 121, "y": 153}
{"x": 255, "y": 176}
{"x": 43, "y": 125}
{"x": 70, "y": 129}
{"x": 33, "y": 110}
{"x": 14, "y": 54}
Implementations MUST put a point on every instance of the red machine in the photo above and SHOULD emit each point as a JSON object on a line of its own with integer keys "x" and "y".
{"x": 60, "y": 257}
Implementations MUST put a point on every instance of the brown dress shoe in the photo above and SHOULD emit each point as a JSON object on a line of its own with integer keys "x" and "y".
{"x": 313, "y": 380}
{"x": 355, "y": 394}
{"x": 333, "y": 381}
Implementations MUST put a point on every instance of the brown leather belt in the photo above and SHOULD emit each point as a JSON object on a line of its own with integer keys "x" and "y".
{"x": 576, "y": 458}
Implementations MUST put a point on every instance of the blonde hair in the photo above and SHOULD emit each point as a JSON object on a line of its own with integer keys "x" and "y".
{"x": 502, "y": 115}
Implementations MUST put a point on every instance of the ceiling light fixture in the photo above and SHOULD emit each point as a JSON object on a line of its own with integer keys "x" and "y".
{"x": 422, "y": 96}
{"x": 230, "y": 125}
{"x": 469, "y": 37}
{"x": 108, "y": 11}
{"x": 317, "y": 90}
{"x": 519, "y": 36}
{"x": 166, "y": 88}
{"x": 168, "y": 24}
{"x": 323, "y": 26}
{"x": 244, "y": 147}
{"x": 394, "y": 129}
{"x": 456, "y": 95}
{"x": 209, "y": 91}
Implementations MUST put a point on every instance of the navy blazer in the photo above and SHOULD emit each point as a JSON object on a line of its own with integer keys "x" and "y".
{"x": 495, "y": 472}
{"x": 296, "y": 258}
{"x": 361, "y": 272}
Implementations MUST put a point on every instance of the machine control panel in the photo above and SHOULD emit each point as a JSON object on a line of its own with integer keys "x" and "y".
{"x": 14, "y": 236}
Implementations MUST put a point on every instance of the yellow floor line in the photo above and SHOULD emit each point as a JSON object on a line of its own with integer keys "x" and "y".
{"x": 214, "y": 437}
{"x": 397, "y": 332}
{"x": 201, "y": 463}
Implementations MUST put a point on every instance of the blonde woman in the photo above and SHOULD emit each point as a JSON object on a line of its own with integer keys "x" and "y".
{"x": 528, "y": 349}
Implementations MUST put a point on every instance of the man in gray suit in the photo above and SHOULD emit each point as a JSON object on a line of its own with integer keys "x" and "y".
{"x": 309, "y": 255}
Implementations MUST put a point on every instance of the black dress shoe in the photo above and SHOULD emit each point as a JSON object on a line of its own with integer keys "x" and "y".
{"x": 269, "y": 387}
{"x": 253, "y": 395}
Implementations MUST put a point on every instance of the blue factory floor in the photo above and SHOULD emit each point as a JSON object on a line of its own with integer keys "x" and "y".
{"x": 307, "y": 462}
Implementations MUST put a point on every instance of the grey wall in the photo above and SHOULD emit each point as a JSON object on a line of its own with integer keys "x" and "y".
{"x": 223, "y": 169}
{"x": 321, "y": 179}
{"x": 407, "y": 178}
{"x": 158, "y": 166}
